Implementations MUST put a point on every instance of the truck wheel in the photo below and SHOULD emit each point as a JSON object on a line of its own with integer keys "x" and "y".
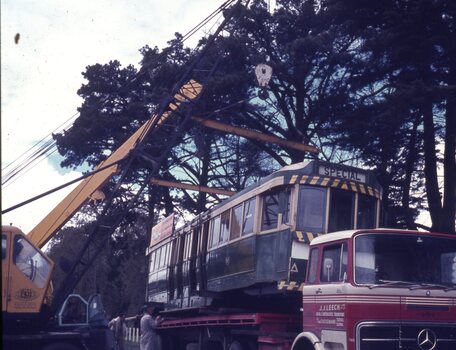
{"x": 60, "y": 346}
{"x": 192, "y": 346}
{"x": 235, "y": 345}
{"x": 211, "y": 345}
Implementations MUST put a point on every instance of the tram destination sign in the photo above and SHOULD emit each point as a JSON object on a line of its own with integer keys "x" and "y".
{"x": 162, "y": 230}
{"x": 341, "y": 172}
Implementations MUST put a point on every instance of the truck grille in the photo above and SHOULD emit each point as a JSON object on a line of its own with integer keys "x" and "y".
{"x": 389, "y": 336}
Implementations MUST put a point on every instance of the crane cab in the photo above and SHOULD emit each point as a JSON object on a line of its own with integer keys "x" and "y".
{"x": 26, "y": 274}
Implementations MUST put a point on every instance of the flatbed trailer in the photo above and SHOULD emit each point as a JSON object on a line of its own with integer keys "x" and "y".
{"x": 58, "y": 339}
{"x": 265, "y": 331}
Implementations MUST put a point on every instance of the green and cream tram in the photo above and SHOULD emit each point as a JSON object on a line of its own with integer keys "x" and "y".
{"x": 256, "y": 242}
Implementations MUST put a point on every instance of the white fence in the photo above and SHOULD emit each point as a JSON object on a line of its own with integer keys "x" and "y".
{"x": 132, "y": 335}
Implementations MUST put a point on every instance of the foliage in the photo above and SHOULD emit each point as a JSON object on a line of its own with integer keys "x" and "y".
{"x": 404, "y": 100}
{"x": 111, "y": 274}
{"x": 368, "y": 83}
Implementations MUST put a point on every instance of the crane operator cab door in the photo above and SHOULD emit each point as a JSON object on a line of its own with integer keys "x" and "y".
{"x": 26, "y": 273}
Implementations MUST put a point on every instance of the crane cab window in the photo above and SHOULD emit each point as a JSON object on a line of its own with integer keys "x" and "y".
{"x": 31, "y": 262}
{"x": 341, "y": 210}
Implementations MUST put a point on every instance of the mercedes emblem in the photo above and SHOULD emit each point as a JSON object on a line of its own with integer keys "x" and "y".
{"x": 426, "y": 339}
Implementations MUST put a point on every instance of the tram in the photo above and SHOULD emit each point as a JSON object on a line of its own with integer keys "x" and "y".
{"x": 256, "y": 242}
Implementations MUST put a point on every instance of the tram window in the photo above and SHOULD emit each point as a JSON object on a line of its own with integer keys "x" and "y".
{"x": 174, "y": 248}
{"x": 311, "y": 209}
{"x": 189, "y": 244}
{"x": 157, "y": 259}
{"x": 164, "y": 256}
{"x": 215, "y": 231}
{"x": 249, "y": 215}
{"x": 313, "y": 264}
{"x": 225, "y": 226}
{"x": 182, "y": 240}
{"x": 168, "y": 253}
{"x": 152, "y": 260}
{"x": 204, "y": 238}
{"x": 270, "y": 211}
{"x": 185, "y": 256}
{"x": 341, "y": 210}
{"x": 334, "y": 263}
{"x": 195, "y": 241}
{"x": 284, "y": 205}
{"x": 236, "y": 221}
{"x": 366, "y": 211}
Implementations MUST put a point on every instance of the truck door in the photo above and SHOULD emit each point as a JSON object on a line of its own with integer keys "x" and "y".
{"x": 310, "y": 290}
{"x": 330, "y": 297}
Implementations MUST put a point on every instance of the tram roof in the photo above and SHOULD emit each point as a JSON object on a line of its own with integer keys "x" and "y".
{"x": 300, "y": 169}
{"x": 310, "y": 168}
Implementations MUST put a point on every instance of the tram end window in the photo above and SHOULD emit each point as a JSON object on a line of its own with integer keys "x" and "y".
{"x": 367, "y": 211}
{"x": 284, "y": 204}
{"x": 270, "y": 213}
{"x": 341, "y": 210}
{"x": 311, "y": 212}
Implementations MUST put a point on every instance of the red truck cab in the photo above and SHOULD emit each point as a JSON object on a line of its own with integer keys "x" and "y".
{"x": 378, "y": 290}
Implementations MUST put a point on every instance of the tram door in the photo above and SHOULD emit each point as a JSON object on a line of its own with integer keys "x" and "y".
{"x": 193, "y": 255}
{"x": 201, "y": 279}
{"x": 175, "y": 268}
{"x": 178, "y": 287}
{"x": 171, "y": 267}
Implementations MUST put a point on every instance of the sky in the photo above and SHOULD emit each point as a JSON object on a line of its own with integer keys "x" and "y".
{"x": 41, "y": 73}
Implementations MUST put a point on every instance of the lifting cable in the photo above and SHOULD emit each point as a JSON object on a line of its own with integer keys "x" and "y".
{"x": 55, "y": 189}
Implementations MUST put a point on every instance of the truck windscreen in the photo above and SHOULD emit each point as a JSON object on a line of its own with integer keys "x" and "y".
{"x": 405, "y": 260}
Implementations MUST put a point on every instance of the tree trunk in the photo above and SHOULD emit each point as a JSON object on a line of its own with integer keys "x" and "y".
{"x": 430, "y": 166}
{"x": 409, "y": 166}
{"x": 449, "y": 163}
